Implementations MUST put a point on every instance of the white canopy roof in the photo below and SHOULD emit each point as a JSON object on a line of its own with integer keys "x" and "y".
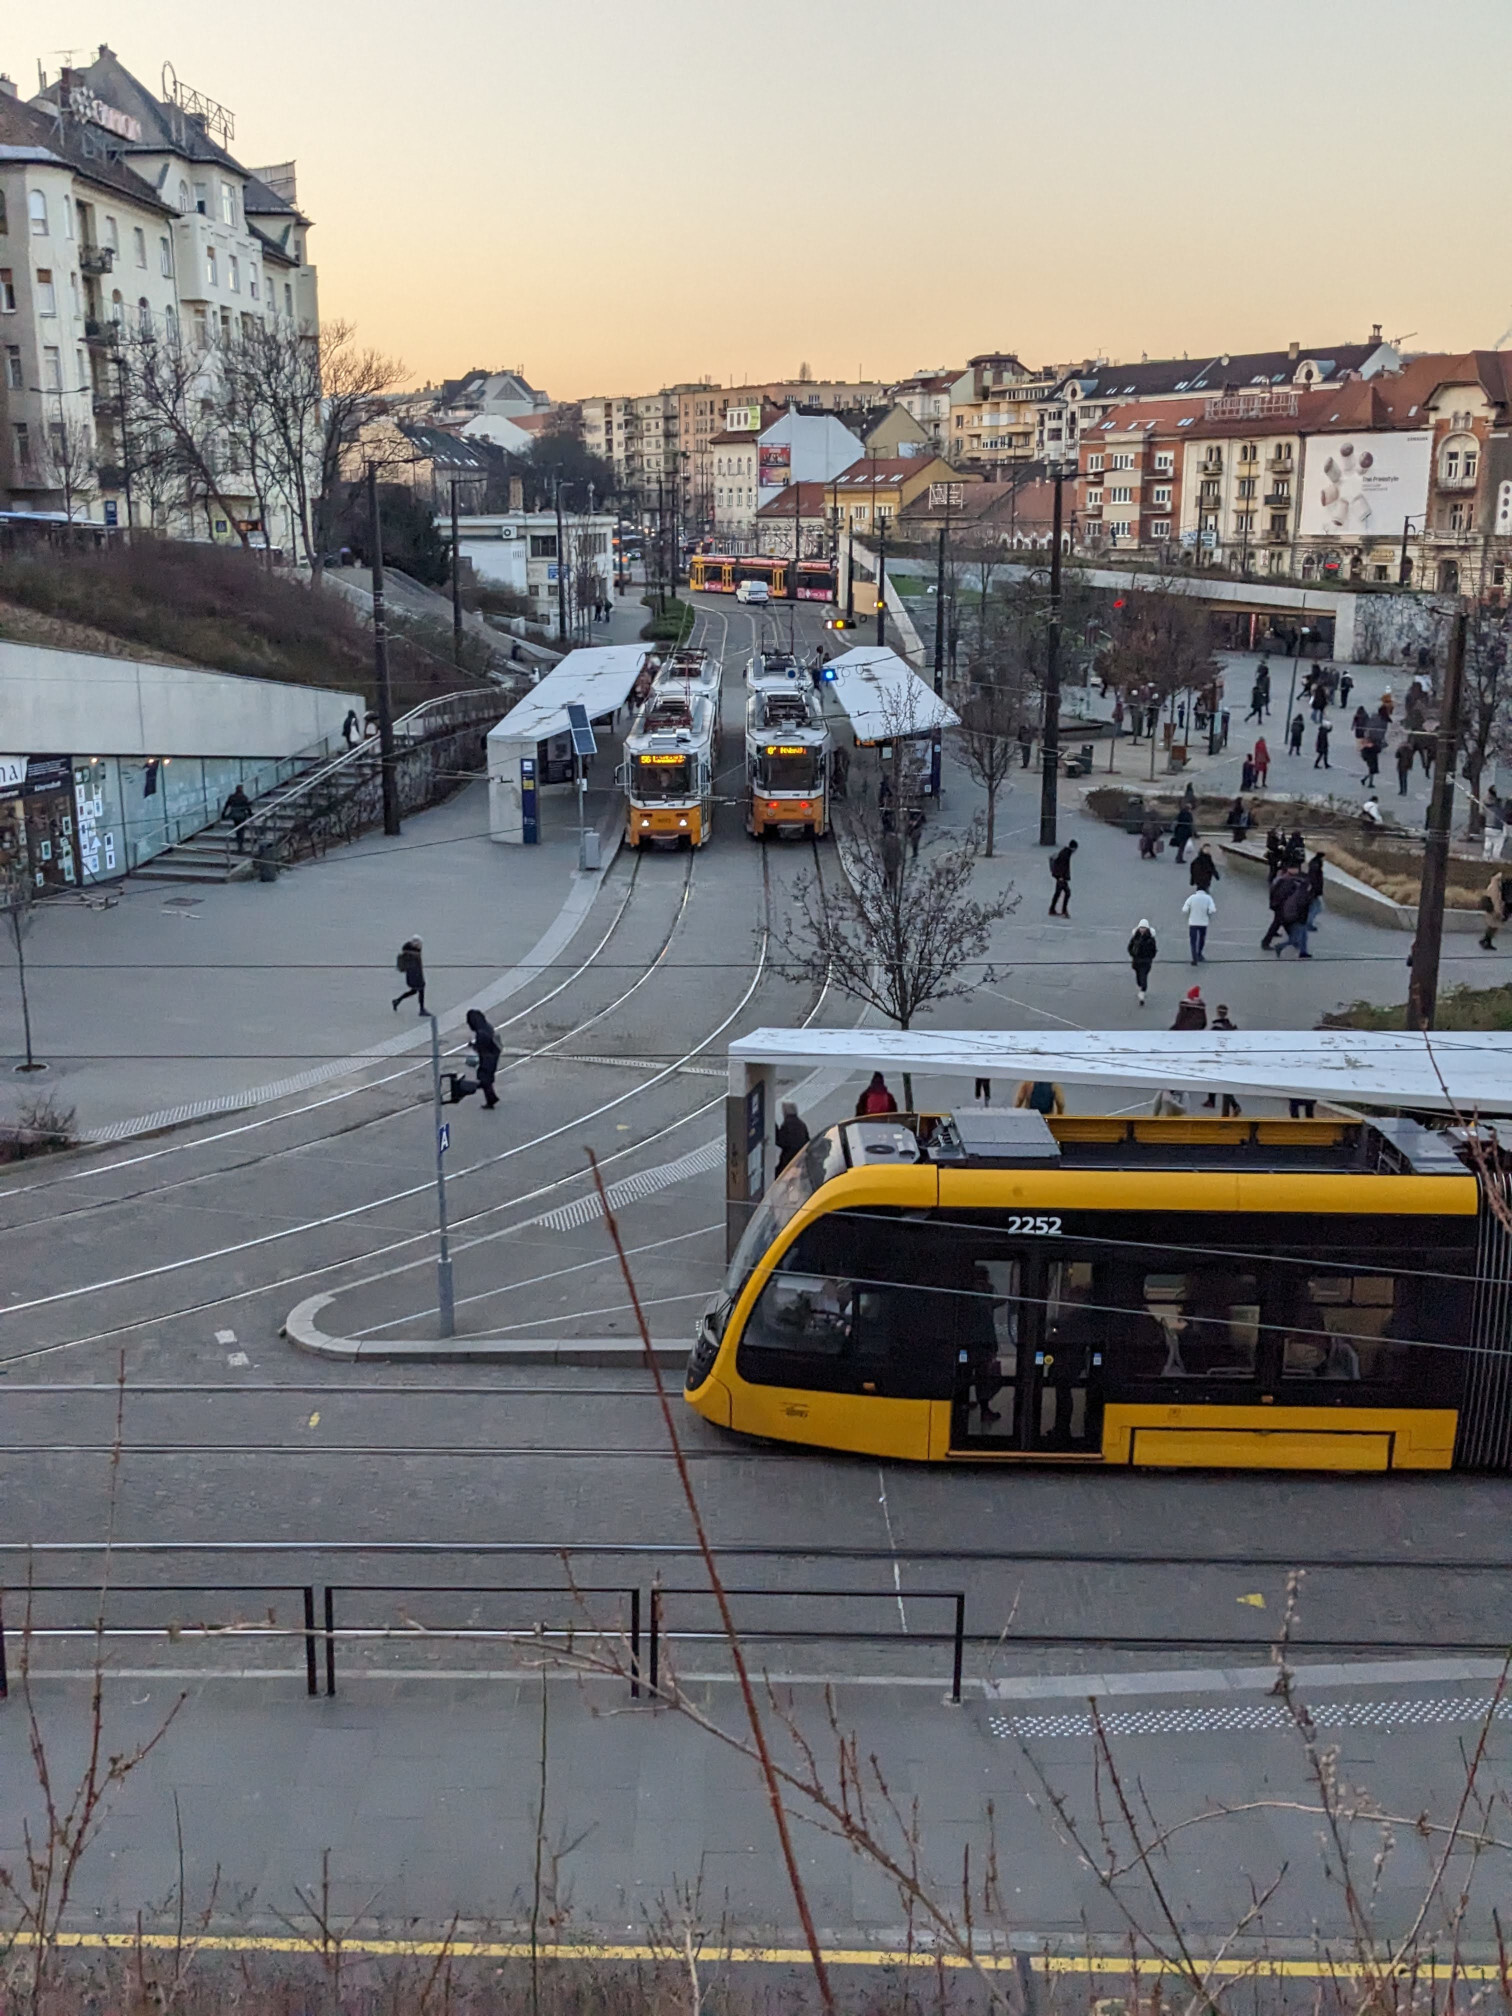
{"x": 883, "y": 695}
{"x": 1464, "y": 1072}
{"x": 599, "y": 677}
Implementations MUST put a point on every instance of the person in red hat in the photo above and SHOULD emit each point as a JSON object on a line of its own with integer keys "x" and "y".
{"x": 1191, "y": 1011}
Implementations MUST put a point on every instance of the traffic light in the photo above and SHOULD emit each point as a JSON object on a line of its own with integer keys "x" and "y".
{"x": 839, "y": 623}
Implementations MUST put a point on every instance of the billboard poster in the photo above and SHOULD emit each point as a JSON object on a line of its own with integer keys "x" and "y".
{"x": 1361, "y": 486}
{"x": 776, "y": 460}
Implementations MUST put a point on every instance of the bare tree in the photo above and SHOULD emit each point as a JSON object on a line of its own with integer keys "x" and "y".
{"x": 1486, "y": 702}
{"x": 18, "y": 906}
{"x": 173, "y": 385}
{"x": 1159, "y": 645}
{"x": 992, "y": 704}
{"x": 68, "y": 456}
{"x": 250, "y": 434}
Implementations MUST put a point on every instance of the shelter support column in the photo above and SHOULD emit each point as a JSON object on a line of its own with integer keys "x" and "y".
{"x": 748, "y": 1117}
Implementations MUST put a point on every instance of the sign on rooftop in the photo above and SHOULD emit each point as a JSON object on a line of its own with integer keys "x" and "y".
{"x": 946, "y": 494}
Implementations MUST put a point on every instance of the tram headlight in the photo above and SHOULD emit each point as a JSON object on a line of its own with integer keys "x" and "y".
{"x": 682, "y": 822}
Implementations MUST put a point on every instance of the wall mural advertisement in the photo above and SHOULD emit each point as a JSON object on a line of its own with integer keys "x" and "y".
{"x": 1362, "y": 486}
{"x": 776, "y": 461}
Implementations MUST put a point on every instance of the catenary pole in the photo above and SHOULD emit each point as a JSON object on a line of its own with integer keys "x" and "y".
{"x": 456, "y": 580}
{"x": 561, "y": 566}
{"x": 446, "y": 1316}
{"x": 381, "y": 664}
{"x": 1050, "y": 727}
{"x": 1422, "y": 994}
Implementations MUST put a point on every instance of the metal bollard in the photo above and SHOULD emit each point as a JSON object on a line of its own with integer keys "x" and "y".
{"x": 311, "y": 1685}
{"x": 330, "y": 1639}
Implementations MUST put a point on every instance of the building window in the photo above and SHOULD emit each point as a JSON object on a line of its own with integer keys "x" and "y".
{"x": 233, "y": 273}
{"x": 37, "y": 204}
{"x": 1094, "y": 463}
{"x": 1121, "y": 493}
{"x": 139, "y": 245}
{"x": 202, "y": 198}
{"x": 1160, "y": 528}
{"x": 201, "y": 330}
{"x": 1121, "y": 462}
{"x": 210, "y": 271}
{"x": 252, "y": 281}
{"x": 7, "y": 291}
{"x": 1278, "y": 524}
{"x": 1246, "y": 486}
{"x": 1244, "y": 521}
{"x": 1458, "y": 518}
{"x": 543, "y": 546}
{"x": 52, "y": 368}
{"x": 47, "y": 300}
{"x": 170, "y": 322}
{"x": 1248, "y": 452}
{"x": 1165, "y": 461}
{"x": 1161, "y": 494}
{"x": 165, "y": 258}
{"x": 144, "y": 316}
{"x": 13, "y": 375}
{"x": 112, "y": 235}
{"x": 4, "y": 217}
{"x": 288, "y": 300}
{"x": 21, "y": 444}
{"x": 228, "y": 204}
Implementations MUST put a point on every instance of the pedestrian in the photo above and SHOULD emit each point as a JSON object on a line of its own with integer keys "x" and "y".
{"x": 1191, "y": 1010}
{"x": 791, "y": 1135}
{"x": 1320, "y": 760}
{"x": 1359, "y": 724}
{"x": 884, "y": 791}
{"x": 892, "y": 858}
{"x": 1296, "y": 849}
{"x": 1280, "y": 896}
{"x": 1199, "y": 910}
{"x": 409, "y": 963}
{"x": 1387, "y": 703}
{"x": 1150, "y": 841}
{"x": 1183, "y": 833}
{"x": 1371, "y": 756}
{"x": 1247, "y": 774}
{"x": 1118, "y": 717}
{"x": 979, "y": 1344}
{"x": 876, "y": 1099}
{"x": 1319, "y": 702}
{"x": 1223, "y": 729}
{"x": 1316, "y": 883}
{"x": 238, "y": 809}
{"x": 1346, "y": 687}
{"x": 1494, "y": 837}
{"x": 1427, "y": 749}
{"x": 1203, "y": 872}
{"x": 1294, "y": 914}
{"x": 983, "y": 1090}
{"x": 1026, "y": 745}
{"x": 1495, "y": 903}
{"x": 1370, "y": 812}
{"x": 1238, "y": 820}
{"x": 1142, "y": 952}
{"x": 839, "y": 771}
{"x": 1275, "y": 847}
{"x": 351, "y": 729}
{"x": 914, "y": 827}
{"x": 1294, "y": 735}
{"x": 1060, "y": 869}
{"x": 1262, "y": 761}
{"x": 1403, "y": 761}
{"x": 485, "y": 1046}
{"x": 1257, "y": 703}
{"x": 1038, "y": 1095}
{"x": 1231, "y": 1106}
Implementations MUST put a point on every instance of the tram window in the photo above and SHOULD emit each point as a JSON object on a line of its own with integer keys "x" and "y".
{"x": 1347, "y": 1327}
{"x": 1211, "y": 1320}
{"x": 807, "y": 1316}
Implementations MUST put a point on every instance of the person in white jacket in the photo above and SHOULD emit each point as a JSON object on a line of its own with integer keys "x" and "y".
{"x": 1199, "y": 910}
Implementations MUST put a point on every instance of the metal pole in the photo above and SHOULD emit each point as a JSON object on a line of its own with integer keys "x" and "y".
{"x": 881, "y": 584}
{"x": 120, "y": 365}
{"x": 381, "y": 665}
{"x": 1422, "y": 994}
{"x": 939, "y": 652}
{"x": 1050, "y": 726}
{"x": 456, "y": 581}
{"x": 446, "y": 1319}
{"x": 561, "y": 564}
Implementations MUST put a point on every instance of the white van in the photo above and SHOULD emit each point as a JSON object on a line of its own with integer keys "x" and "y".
{"x": 753, "y": 591}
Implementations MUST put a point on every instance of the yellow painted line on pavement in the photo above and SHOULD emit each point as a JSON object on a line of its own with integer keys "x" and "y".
{"x": 586, "y": 1952}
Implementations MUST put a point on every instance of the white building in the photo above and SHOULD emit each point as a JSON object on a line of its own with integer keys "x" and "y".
{"x": 125, "y": 213}
{"x": 802, "y": 448}
{"x": 518, "y": 550}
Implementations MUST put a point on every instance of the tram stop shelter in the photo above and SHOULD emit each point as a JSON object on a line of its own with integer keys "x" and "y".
{"x": 882, "y": 696}
{"x": 1466, "y": 1073}
{"x": 531, "y": 748}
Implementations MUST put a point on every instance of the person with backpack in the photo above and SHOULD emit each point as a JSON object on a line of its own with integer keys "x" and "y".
{"x": 1038, "y": 1095}
{"x": 1060, "y": 869}
{"x": 411, "y": 966}
{"x": 1142, "y": 950}
{"x": 876, "y": 1100}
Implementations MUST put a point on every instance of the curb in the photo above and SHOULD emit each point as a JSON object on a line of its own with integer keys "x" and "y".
{"x": 302, "y": 1329}
{"x": 1351, "y": 897}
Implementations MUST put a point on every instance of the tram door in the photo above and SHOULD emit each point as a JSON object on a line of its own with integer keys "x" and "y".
{"x": 1029, "y": 1361}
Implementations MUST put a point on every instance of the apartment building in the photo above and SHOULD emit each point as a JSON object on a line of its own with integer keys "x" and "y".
{"x": 1084, "y": 397}
{"x": 1130, "y": 473}
{"x": 869, "y": 495}
{"x": 994, "y": 411}
{"x": 734, "y": 453}
{"x": 604, "y": 432}
{"x": 927, "y": 397}
{"x": 125, "y": 214}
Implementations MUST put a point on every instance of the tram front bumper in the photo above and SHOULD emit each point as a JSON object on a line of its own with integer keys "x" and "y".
{"x": 670, "y": 822}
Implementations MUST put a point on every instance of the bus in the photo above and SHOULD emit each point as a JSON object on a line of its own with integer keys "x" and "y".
{"x": 787, "y": 753}
{"x": 1176, "y": 1292}
{"x": 668, "y": 772}
{"x": 722, "y": 574}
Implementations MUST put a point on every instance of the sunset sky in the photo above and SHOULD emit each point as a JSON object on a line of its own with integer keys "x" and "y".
{"x": 619, "y": 197}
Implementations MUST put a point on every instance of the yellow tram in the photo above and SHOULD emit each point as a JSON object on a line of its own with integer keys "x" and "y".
{"x": 1287, "y": 1294}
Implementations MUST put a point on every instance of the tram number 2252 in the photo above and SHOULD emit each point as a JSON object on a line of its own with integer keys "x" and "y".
{"x": 1034, "y": 1228}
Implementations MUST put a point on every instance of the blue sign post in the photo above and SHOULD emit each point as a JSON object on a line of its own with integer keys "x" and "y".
{"x": 529, "y": 812}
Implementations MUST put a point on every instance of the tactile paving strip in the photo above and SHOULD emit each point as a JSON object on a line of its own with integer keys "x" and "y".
{"x": 1245, "y": 1715}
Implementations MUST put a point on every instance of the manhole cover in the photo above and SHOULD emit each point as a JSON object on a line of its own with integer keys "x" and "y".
{"x": 181, "y": 902}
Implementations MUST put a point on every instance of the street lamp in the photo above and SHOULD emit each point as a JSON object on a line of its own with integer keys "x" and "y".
{"x": 1404, "y": 568}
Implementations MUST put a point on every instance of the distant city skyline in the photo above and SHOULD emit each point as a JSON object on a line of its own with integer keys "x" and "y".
{"x": 610, "y": 200}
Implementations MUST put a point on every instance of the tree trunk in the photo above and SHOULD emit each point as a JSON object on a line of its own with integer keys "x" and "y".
{"x": 908, "y": 1105}
{"x": 992, "y": 791}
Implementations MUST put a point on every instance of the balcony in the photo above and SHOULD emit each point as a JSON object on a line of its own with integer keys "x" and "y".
{"x": 1460, "y": 480}
{"x": 111, "y": 476}
{"x": 96, "y": 260}
{"x": 1212, "y": 465}
{"x": 105, "y": 335}
{"x": 1277, "y": 536}
{"x": 1279, "y": 500}
{"x": 1279, "y": 465}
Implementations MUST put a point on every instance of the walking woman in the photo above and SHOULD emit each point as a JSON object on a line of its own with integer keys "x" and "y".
{"x": 1142, "y": 951}
{"x": 412, "y": 967}
{"x": 1261, "y": 761}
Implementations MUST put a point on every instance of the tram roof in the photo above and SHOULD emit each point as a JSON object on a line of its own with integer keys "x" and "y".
{"x": 883, "y": 696}
{"x": 1461, "y": 1071}
{"x": 600, "y": 677}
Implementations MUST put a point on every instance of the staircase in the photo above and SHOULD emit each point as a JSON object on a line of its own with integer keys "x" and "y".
{"x": 210, "y": 854}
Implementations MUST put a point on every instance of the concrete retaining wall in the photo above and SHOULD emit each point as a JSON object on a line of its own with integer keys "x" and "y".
{"x": 1351, "y": 897}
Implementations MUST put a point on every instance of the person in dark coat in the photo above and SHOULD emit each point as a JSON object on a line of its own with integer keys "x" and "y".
{"x": 1238, "y": 820}
{"x": 1060, "y": 869}
{"x": 1320, "y": 746}
{"x": 1282, "y": 889}
{"x": 1346, "y": 687}
{"x": 412, "y": 967}
{"x": 980, "y": 1343}
{"x": 1403, "y": 765}
{"x": 1296, "y": 849}
{"x": 1183, "y": 832}
{"x": 913, "y": 827}
{"x": 484, "y": 1039}
{"x": 1231, "y": 1106}
{"x": 1203, "y": 872}
{"x": 1315, "y": 886}
{"x": 1191, "y": 1011}
{"x": 1149, "y": 838}
{"x": 351, "y": 729}
{"x": 876, "y": 1099}
{"x": 1294, "y": 735}
{"x": 238, "y": 809}
{"x": 1142, "y": 951}
{"x": 791, "y": 1136}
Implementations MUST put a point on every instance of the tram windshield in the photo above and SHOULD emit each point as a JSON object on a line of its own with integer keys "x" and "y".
{"x": 787, "y": 767}
{"x": 819, "y": 1161}
{"x": 662, "y": 777}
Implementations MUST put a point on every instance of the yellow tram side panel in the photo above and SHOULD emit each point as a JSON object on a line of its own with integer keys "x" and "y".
{"x": 880, "y": 1427}
{"x": 1282, "y": 1191}
{"x": 645, "y": 823}
{"x": 1280, "y": 1438}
